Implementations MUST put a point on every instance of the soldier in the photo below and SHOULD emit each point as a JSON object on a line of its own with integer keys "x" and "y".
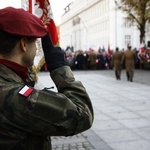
{"x": 28, "y": 117}
{"x": 129, "y": 58}
{"x": 116, "y": 63}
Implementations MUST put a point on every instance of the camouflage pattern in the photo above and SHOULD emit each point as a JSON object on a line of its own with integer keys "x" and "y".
{"x": 26, "y": 123}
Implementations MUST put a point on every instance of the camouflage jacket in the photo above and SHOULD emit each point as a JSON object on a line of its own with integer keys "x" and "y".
{"x": 28, "y": 117}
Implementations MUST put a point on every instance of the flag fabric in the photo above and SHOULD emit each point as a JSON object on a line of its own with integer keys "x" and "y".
{"x": 109, "y": 53}
{"x": 42, "y": 9}
{"x": 108, "y": 50}
{"x": 142, "y": 48}
{"x": 25, "y": 5}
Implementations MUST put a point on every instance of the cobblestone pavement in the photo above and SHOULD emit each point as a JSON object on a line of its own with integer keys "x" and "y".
{"x": 121, "y": 108}
{"x": 77, "y": 142}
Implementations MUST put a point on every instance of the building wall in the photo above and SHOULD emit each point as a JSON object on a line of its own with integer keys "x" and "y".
{"x": 147, "y": 39}
{"x": 96, "y": 23}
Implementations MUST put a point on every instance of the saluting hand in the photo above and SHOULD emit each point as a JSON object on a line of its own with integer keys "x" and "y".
{"x": 54, "y": 56}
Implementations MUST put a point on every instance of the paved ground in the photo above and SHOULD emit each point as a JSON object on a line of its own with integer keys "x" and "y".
{"x": 121, "y": 108}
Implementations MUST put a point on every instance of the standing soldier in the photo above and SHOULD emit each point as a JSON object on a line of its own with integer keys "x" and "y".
{"x": 116, "y": 63}
{"x": 92, "y": 59}
{"x": 28, "y": 117}
{"x": 129, "y": 58}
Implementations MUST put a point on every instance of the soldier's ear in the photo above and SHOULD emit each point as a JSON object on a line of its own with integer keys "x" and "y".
{"x": 23, "y": 44}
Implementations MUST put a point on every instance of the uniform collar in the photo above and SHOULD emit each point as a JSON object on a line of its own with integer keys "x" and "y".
{"x": 21, "y": 71}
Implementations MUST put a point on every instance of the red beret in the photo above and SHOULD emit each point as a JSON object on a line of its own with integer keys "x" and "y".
{"x": 20, "y": 22}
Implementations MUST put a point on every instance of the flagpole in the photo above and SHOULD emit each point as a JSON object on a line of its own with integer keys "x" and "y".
{"x": 30, "y": 6}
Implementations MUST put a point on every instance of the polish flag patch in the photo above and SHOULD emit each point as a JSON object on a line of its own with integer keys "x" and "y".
{"x": 26, "y": 91}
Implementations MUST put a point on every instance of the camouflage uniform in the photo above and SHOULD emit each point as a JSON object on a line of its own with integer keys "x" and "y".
{"x": 26, "y": 122}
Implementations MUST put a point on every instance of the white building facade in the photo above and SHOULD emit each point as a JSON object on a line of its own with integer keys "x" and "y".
{"x": 97, "y": 23}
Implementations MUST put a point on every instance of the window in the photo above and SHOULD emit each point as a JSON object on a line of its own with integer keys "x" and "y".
{"x": 127, "y": 40}
{"x": 127, "y": 23}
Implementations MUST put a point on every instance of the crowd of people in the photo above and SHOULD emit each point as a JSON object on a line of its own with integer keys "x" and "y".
{"x": 117, "y": 59}
{"x": 100, "y": 60}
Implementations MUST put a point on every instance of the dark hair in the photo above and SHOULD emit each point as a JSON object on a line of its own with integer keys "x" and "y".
{"x": 117, "y": 49}
{"x": 129, "y": 46}
{"x": 30, "y": 39}
{"x": 7, "y": 42}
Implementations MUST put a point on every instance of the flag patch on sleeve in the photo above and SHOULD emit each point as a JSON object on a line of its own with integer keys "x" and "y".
{"x": 26, "y": 91}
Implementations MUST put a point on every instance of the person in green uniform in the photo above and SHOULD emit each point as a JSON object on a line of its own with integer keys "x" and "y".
{"x": 116, "y": 63}
{"x": 129, "y": 59}
{"x": 28, "y": 116}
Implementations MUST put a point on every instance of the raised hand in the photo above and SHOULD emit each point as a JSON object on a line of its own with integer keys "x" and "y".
{"x": 54, "y": 56}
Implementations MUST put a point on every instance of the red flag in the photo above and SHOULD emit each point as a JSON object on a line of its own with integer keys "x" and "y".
{"x": 142, "y": 48}
{"x": 109, "y": 53}
{"x": 44, "y": 12}
{"x": 108, "y": 50}
{"x": 42, "y": 9}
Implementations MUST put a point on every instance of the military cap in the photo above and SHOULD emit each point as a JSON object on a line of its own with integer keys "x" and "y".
{"x": 17, "y": 21}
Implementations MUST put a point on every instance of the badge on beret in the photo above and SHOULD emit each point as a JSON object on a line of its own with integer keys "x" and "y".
{"x": 26, "y": 91}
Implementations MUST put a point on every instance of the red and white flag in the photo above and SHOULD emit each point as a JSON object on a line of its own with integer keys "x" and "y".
{"x": 108, "y": 50}
{"x": 26, "y": 91}
{"x": 142, "y": 48}
{"x": 42, "y": 9}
